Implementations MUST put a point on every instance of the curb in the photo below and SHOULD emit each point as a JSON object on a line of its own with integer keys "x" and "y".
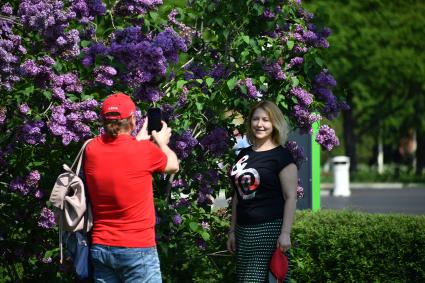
{"x": 329, "y": 186}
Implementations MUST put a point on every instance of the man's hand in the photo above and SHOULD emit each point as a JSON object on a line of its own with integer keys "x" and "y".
{"x": 163, "y": 136}
{"x": 143, "y": 133}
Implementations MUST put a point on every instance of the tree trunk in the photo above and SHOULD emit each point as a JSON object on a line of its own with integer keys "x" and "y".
{"x": 350, "y": 138}
{"x": 420, "y": 152}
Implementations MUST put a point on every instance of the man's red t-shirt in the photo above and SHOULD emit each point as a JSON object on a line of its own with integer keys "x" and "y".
{"x": 118, "y": 173}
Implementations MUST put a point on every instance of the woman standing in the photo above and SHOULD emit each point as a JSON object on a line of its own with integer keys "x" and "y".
{"x": 265, "y": 181}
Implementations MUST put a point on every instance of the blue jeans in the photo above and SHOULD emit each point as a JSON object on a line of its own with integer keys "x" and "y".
{"x": 129, "y": 265}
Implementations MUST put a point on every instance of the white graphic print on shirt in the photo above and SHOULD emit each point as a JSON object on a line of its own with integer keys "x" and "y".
{"x": 246, "y": 180}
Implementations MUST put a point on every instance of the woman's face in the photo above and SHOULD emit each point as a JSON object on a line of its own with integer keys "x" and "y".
{"x": 261, "y": 125}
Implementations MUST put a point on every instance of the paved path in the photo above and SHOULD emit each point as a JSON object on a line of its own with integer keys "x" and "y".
{"x": 410, "y": 200}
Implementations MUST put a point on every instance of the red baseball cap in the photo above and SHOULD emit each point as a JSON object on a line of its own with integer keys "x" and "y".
{"x": 279, "y": 265}
{"x": 118, "y": 106}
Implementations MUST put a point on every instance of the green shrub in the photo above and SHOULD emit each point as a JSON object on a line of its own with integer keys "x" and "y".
{"x": 345, "y": 246}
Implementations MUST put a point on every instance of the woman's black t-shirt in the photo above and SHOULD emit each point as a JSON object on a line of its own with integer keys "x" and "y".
{"x": 255, "y": 177}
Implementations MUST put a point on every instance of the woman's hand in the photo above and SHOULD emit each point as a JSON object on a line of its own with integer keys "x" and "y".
{"x": 231, "y": 242}
{"x": 284, "y": 241}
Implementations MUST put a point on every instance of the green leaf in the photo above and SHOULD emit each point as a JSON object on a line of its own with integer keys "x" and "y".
{"x": 181, "y": 83}
{"x": 231, "y": 83}
{"x": 319, "y": 61}
{"x": 295, "y": 81}
{"x": 47, "y": 94}
{"x": 290, "y": 44}
{"x": 153, "y": 15}
{"x": 226, "y": 33}
{"x": 199, "y": 106}
{"x": 199, "y": 81}
{"x": 246, "y": 39}
{"x": 85, "y": 43}
{"x": 194, "y": 226}
{"x": 205, "y": 235}
{"x": 262, "y": 79}
{"x": 209, "y": 81}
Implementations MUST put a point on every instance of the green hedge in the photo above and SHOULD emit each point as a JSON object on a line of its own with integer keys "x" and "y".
{"x": 345, "y": 246}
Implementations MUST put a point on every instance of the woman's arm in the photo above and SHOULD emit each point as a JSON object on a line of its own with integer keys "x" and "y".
{"x": 289, "y": 181}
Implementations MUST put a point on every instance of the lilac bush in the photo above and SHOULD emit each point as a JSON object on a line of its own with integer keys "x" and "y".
{"x": 198, "y": 63}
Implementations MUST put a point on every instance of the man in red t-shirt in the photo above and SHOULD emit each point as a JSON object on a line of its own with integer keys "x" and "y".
{"x": 118, "y": 170}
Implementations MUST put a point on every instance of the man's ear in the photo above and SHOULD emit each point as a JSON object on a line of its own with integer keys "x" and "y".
{"x": 133, "y": 122}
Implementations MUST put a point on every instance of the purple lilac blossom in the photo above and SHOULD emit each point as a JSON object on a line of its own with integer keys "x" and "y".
{"x": 89, "y": 53}
{"x": 216, "y": 141}
{"x": 297, "y": 152}
{"x": 87, "y": 10}
{"x": 69, "y": 120}
{"x": 300, "y": 191}
{"x": 38, "y": 194}
{"x": 137, "y": 7}
{"x": 323, "y": 84}
{"x": 296, "y": 62}
{"x": 304, "y": 118}
{"x": 47, "y": 219}
{"x": 51, "y": 19}
{"x": 24, "y": 108}
{"x": 103, "y": 75}
{"x": 149, "y": 93}
{"x": 275, "y": 71}
{"x": 326, "y": 137}
{"x": 18, "y": 185}
{"x": 183, "y": 144}
{"x": 186, "y": 32}
{"x": 3, "y": 115}
{"x": 200, "y": 243}
{"x": 183, "y": 202}
{"x": 205, "y": 225}
{"x": 32, "y": 178}
{"x": 178, "y": 183}
{"x": 167, "y": 112}
{"x": 9, "y": 44}
{"x": 304, "y": 97}
{"x": 177, "y": 219}
{"x": 145, "y": 59}
{"x": 46, "y": 260}
{"x": 251, "y": 90}
{"x": 31, "y": 133}
{"x": 325, "y": 79}
{"x": 268, "y": 15}
{"x": 170, "y": 43}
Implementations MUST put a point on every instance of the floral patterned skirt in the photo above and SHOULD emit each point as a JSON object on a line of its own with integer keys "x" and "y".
{"x": 255, "y": 245}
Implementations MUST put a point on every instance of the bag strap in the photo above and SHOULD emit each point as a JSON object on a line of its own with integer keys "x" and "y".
{"x": 79, "y": 158}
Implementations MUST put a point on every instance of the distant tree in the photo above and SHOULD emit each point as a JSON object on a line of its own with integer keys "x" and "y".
{"x": 376, "y": 55}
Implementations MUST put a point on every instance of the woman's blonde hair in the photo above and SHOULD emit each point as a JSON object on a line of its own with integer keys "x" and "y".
{"x": 280, "y": 126}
